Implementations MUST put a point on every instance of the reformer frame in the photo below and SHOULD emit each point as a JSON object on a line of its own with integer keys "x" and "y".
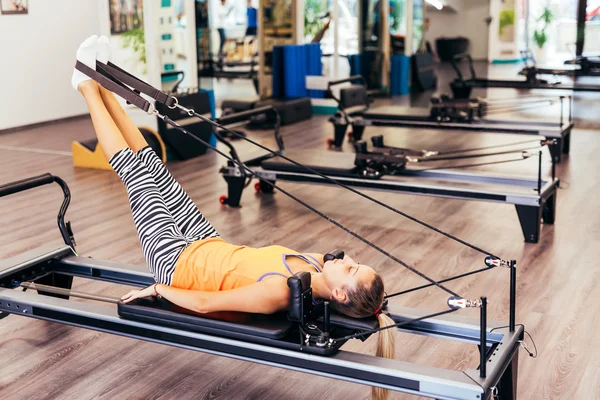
{"x": 462, "y": 87}
{"x": 58, "y": 266}
{"x": 354, "y": 110}
{"x": 533, "y": 208}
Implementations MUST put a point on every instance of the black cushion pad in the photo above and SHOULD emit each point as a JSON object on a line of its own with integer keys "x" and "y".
{"x": 395, "y": 112}
{"x": 325, "y": 162}
{"x": 276, "y": 326}
{"x": 163, "y": 312}
{"x": 359, "y": 324}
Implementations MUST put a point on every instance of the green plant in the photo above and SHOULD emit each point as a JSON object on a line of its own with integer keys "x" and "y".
{"x": 134, "y": 39}
{"x": 544, "y": 20}
{"x": 507, "y": 18}
{"x": 313, "y": 16}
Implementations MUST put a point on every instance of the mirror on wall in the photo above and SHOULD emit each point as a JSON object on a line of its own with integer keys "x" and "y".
{"x": 227, "y": 45}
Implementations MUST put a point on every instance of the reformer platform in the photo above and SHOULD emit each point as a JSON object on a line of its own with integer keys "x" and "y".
{"x": 468, "y": 115}
{"x": 462, "y": 87}
{"x": 534, "y": 199}
{"x": 254, "y": 338}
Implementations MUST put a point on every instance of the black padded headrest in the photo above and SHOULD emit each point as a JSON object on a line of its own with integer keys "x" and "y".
{"x": 359, "y": 324}
{"x": 353, "y": 96}
{"x": 334, "y": 254}
{"x": 300, "y": 296}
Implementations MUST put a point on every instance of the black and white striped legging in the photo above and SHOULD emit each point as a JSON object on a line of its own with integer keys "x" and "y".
{"x": 167, "y": 220}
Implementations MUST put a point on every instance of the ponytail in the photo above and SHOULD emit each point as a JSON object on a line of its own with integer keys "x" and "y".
{"x": 364, "y": 301}
{"x": 386, "y": 348}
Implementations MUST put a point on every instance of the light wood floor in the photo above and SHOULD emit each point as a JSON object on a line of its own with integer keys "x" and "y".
{"x": 558, "y": 278}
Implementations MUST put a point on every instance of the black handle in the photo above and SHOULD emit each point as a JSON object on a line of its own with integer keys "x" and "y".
{"x": 26, "y": 184}
{"x": 459, "y": 57}
{"x": 41, "y": 180}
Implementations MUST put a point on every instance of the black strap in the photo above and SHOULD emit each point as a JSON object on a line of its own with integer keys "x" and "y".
{"x": 136, "y": 83}
{"x": 114, "y": 87}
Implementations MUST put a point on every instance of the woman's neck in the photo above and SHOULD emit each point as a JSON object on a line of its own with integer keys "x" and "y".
{"x": 320, "y": 290}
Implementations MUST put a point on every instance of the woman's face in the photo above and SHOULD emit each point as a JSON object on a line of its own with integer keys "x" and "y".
{"x": 346, "y": 273}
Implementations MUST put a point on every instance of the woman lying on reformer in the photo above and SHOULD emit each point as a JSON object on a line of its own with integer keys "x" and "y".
{"x": 193, "y": 266}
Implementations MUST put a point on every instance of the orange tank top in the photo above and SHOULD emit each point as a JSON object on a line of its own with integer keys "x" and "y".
{"x": 213, "y": 264}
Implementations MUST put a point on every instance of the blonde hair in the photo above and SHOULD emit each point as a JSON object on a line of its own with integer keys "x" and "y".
{"x": 365, "y": 301}
{"x": 386, "y": 348}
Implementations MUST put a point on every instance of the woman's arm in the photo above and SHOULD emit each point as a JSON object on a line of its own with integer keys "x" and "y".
{"x": 266, "y": 297}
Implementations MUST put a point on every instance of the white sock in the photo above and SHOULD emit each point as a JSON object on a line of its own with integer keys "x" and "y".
{"x": 86, "y": 54}
{"x": 103, "y": 49}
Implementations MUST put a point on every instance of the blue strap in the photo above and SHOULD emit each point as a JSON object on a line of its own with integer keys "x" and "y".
{"x": 305, "y": 258}
{"x": 270, "y": 274}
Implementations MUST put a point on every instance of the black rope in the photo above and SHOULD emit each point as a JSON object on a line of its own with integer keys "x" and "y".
{"x": 497, "y": 153}
{"x": 443, "y": 153}
{"x": 414, "y": 289}
{"x": 338, "y": 183}
{"x": 397, "y": 325}
{"x": 311, "y": 208}
{"x": 506, "y": 110}
{"x": 475, "y": 165}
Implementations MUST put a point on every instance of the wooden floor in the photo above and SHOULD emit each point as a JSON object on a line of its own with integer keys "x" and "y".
{"x": 558, "y": 278}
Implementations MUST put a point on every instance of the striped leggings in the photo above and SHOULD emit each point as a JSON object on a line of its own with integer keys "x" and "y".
{"x": 167, "y": 220}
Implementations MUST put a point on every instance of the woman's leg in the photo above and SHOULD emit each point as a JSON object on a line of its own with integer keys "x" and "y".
{"x": 161, "y": 239}
{"x": 188, "y": 217}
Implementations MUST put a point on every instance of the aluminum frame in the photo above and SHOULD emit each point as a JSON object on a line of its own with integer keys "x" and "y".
{"x": 532, "y": 207}
{"x": 559, "y": 131}
{"x": 501, "y": 351}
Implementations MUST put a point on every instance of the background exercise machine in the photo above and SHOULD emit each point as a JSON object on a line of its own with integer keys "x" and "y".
{"x": 445, "y": 113}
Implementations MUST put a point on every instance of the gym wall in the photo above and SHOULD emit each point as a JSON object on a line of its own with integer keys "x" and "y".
{"x": 464, "y": 18}
{"x": 37, "y": 55}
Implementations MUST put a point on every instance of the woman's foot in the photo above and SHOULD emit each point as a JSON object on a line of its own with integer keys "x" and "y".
{"x": 103, "y": 49}
{"x": 86, "y": 54}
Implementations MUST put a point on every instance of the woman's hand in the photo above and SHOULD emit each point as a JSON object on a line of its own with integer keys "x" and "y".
{"x": 137, "y": 294}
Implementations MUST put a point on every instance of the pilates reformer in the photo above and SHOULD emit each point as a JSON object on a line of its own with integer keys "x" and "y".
{"x": 470, "y": 115}
{"x": 211, "y": 68}
{"x": 308, "y": 338}
{"x": 37, "y": 284}
{"x": 462, "y": 87}
{"x": 589, "y": 65}
{"x": 578, "y": 67}
{"x": 534, "y": 199}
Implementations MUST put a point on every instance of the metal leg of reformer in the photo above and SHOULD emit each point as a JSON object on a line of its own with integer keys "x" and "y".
{"x": 557, "y": 149}
{"x": 235, "y": 188}
{"x": 566, "y": 147}
{"x": 549, "y": 210}
{"x": 507, "y": 385}
{"x": 530, "y": 218}
{"x": 339, "y": 132}
{"x": 357, "y": 132}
